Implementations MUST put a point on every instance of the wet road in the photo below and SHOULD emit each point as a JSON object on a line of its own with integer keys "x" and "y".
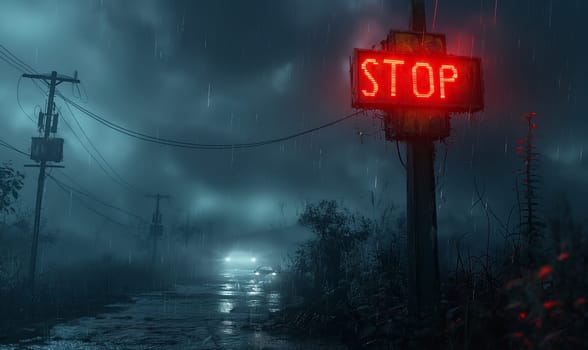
{"x": 221, "y": 313}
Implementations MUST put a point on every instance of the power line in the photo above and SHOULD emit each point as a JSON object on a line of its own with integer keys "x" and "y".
{"x": 19, "y": 64}
{"x": 86, "y": 205}
{"x": 8, "y": 58}
{"x": 191, "y": 145}
{"x": 117, "y": 177}
{"x": 87, "y": 150}
{"x": 80, "y": 192}
{"x": 23, "y": 66}
{"x": 96, "y": 199}
{"x": 18, "y": 100}
{"x": 10, "y": 147}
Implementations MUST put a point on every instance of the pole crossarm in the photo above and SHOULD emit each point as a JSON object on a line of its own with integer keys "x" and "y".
{"x": 47, "y": 77}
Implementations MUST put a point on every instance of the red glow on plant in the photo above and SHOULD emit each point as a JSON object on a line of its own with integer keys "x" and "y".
{"x": 539, "y": 323}
{"x": 581, "y": 301}
{"x": 370, "y": 77}
{"x": 551, "y": 304}
{"x": 544, "y": 271}
{"x": 563, "y": 256}
{"x": 522, "y": 315}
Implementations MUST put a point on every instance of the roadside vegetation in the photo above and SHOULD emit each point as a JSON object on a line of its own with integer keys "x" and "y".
{"x": 349, "y": 282}
{"x": 526, "y": 290}
{"x": 77, "y": 275}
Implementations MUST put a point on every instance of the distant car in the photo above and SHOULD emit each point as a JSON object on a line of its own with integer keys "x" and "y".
{"x": 265, "y": 272}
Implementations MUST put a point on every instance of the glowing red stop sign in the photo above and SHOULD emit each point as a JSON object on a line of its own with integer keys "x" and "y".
{"x": 384, "y": 80}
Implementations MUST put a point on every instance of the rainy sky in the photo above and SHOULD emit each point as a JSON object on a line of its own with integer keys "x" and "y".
{"x": 225, "y": 71}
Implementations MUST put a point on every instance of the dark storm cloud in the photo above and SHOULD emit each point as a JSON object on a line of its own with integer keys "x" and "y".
{"x": 236, "y": 71}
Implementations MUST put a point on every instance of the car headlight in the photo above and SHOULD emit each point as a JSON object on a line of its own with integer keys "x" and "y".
{"x": 273, "y": 273}
{"x": 256, "y": 273}
{"x": 253, "y": 259}
{"x": 228, "y": 259}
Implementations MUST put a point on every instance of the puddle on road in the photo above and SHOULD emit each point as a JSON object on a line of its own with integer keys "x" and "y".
{"x": 209, "y": 316}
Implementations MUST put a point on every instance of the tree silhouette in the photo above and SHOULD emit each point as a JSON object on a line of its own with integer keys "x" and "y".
{"x": 338, "y": 232}
{"x": 11, "y": 182}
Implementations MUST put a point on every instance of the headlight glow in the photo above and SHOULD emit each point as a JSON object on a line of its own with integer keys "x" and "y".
{"x": 228, "y": 259}
{"x": 253, "y": 259}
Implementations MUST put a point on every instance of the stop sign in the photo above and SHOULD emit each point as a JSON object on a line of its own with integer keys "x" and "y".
{"x": 384, "y": 80}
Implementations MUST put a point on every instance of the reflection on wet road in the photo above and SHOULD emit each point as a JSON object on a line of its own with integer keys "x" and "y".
{"x": 211, "y": 315}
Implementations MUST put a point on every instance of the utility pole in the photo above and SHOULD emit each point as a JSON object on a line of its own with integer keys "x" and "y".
{"x": 156, "y": 228}
{"x": 418, "y": 85}
{"x": 423, "y": 263}
{"x": 45, "y": 149}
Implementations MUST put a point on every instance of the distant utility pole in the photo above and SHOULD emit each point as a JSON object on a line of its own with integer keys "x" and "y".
{"x": 156, "y": 228}
{"x": 45, "y": 149}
